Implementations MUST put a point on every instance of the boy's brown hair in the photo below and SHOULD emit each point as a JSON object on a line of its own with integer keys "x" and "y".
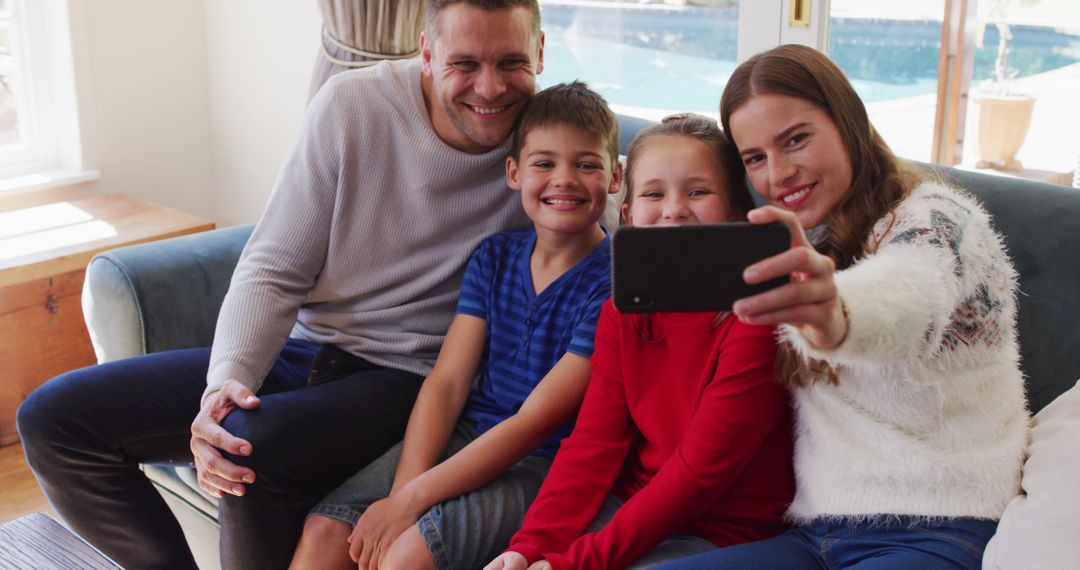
{"x": 573, "y": 105}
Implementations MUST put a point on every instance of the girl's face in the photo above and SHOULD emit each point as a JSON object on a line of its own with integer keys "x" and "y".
{"x": 794, "y": 155}
{"x": 677, "y": 180}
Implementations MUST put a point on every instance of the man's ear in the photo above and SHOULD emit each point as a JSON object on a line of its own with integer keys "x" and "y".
{"x": 512, "y": 179}
{"x": 540, "y": 55}
{"x": 425, "y": 52}
{"x": 616, "y": 178}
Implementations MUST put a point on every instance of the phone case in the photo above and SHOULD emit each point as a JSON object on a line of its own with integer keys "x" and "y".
{"x": 690, "y": 267}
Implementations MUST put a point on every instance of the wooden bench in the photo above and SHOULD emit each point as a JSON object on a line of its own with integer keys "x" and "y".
{"x": 43, "y": 255}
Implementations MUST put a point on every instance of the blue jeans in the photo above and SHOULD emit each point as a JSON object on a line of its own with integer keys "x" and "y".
{"x": 324, "y": 414}
{"x": 466, "y": 531}
{"x": 901, "y": 543}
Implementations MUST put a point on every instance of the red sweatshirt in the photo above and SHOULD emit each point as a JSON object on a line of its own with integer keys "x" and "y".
{"x": 689, "y": 429}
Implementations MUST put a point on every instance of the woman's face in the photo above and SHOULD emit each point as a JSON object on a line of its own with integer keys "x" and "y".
{"x": 793, "y": 154}
{"x": 677, "y": 180}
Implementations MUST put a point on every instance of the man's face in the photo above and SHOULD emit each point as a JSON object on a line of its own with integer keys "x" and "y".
{"x": 478, "y": 72}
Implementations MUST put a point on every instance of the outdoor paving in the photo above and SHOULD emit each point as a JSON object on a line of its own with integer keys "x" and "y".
{"x": 1050, "y": 152}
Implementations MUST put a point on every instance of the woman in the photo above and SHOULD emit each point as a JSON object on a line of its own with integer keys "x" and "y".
{"x": 897, "y": 328}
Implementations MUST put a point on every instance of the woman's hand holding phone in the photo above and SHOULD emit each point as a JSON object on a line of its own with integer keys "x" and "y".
{"x": 809, "y": 301}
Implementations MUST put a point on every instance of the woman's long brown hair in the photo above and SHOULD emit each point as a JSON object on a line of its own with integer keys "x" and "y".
{"x": 879, "y": 180}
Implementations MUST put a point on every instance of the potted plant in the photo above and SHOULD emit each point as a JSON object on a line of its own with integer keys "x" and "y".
{"x": 1004, "y": 112}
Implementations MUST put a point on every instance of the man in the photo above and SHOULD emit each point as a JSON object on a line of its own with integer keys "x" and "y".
{"x": 334, "y": 315}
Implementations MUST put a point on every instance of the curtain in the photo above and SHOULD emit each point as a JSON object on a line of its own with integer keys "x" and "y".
{"x": 358, "y": 33}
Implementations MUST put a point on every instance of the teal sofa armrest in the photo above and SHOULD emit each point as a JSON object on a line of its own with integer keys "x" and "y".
{"x": 157, "y": 296}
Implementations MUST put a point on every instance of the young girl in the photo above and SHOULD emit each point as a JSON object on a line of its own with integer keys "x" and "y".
{"x": 683, "y": 441}
{"x": 899, "y": 334}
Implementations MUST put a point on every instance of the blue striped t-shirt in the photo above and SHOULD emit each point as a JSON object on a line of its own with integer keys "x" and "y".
{"x": 528, "y": 333}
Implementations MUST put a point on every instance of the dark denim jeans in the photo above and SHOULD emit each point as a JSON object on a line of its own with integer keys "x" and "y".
{"x": 902, "y": 543}
{"x": 324, "y": 414}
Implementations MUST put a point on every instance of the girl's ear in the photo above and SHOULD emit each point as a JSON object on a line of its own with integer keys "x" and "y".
{"x": 624, "y": 211}
{"x": 616, "y": 179}
{"x": 512, "y": 179}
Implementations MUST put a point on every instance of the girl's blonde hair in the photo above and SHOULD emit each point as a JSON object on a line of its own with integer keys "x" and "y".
{"x": 879, "y": 180}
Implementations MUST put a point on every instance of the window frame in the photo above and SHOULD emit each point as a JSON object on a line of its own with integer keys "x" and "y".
{"x": 50, "y": 152}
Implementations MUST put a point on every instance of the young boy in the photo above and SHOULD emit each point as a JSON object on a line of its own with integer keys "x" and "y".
{"x": 456, "y": 489}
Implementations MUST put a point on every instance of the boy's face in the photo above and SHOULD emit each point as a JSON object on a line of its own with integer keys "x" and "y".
{"x": 564, "y": 176}
{"x": 478, "y": 73}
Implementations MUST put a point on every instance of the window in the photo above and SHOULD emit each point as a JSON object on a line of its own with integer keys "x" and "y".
{"x": 646, "y": 59}
{"x": 13, "y": 100}
{"x": 39, "y": 137}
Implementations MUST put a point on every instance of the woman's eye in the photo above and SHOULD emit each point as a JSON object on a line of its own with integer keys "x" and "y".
{"x": 753, "y": 159}
{"x": 798, "y": 139}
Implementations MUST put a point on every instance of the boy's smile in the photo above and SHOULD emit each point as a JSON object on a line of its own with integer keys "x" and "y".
{"x": 564, "y": 175}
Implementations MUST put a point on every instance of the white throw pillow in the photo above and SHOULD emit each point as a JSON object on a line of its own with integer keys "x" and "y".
{"x": 1041, "y": 529}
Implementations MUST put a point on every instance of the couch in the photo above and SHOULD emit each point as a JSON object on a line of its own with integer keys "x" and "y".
{"x": 166, "y": 295}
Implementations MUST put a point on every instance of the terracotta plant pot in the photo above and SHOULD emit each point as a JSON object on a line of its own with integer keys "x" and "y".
{"x": 1003, "y": 124}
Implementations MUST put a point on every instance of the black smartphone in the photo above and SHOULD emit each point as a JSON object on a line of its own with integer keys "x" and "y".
{"x": 695, "y": 267}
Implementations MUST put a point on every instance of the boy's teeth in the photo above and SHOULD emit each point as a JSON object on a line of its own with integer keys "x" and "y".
{"x": 560, "y": 201}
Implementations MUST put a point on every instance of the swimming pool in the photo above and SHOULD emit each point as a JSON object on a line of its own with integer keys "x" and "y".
{"x": 681, "y": 58}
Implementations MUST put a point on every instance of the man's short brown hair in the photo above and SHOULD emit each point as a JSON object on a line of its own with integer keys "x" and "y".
{"x": 573, "y": 105}
{"x": 431, "y": 23}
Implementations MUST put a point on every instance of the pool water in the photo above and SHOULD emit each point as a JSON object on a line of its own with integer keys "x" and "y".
{"x": 681, "y": 59}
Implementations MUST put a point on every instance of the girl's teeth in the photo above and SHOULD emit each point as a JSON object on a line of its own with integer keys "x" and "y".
{"x": 558, "y": 201}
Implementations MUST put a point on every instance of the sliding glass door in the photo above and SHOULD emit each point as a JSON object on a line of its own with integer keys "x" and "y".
{"x": 917, "y": 64}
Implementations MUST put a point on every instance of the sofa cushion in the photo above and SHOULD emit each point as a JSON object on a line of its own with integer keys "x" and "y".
{"x": 1040, "y": 528}
{"x": 1039, "y": 222}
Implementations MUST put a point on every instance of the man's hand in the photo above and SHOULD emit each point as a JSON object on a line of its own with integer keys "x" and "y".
{"x": 509, "y": 561}
{"x": 381, "y": 524}
{"x": 218, "y": 475}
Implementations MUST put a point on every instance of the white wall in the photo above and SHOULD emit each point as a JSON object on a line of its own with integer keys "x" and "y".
{"x": 189, "y": 103}
{"x": 141, "y": 78}
{"x": 261, "y": 55}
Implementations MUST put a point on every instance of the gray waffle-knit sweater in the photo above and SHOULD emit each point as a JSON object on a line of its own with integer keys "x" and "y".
{"x": 366, "y": 235}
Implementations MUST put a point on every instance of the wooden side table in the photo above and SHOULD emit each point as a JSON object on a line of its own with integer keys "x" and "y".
{"x": 43, "y": 256}
{"x": 38, "y": 541}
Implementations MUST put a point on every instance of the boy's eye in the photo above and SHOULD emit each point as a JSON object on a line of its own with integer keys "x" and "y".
{"x": 588, "y": 166}
{"x": 698, "y": 192}
{"x": 543, "y": 164}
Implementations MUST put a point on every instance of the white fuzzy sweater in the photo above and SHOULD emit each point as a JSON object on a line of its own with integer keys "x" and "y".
{"x": 929, "y": 416}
